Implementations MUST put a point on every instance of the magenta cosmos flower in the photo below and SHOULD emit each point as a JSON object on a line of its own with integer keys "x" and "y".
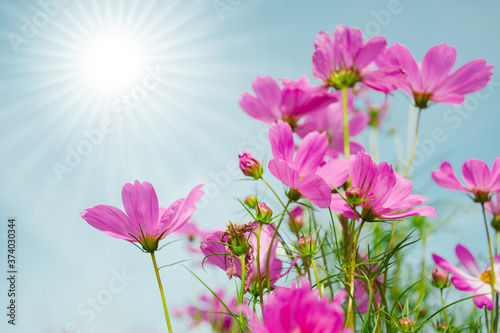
{"x": 330, "y": 119}
{"x": 479, "y": 179}
{"x": 289, "y": 103}
{"x": 193, "y": 234}
{"x": 473, "y": 280}
{"x": 299, "y": 309}
{"x": 210, "y": 310}
{"x": 217, "y": 254}
{"x": 301, "y": 173}
{"x": 343, "y": 60}
{"x": 433, "y": 80}
{"x": 143, "y": 221}
{"x": 386, "y": 193}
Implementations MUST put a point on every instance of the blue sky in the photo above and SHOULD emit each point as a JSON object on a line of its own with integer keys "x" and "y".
{"x": 184, "y": 127}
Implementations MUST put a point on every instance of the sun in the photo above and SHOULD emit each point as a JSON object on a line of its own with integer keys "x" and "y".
{"x": 111, "y": 62}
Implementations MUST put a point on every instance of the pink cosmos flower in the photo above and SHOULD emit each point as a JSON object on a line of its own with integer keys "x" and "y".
{"x": 473, "y": 279}
{"x": 343, "y": 60}
{"x": 386, "y": 193}
{"x": 217, "y": 254}
{"x": 433, "y": 80}
{"x": 143, "y": 221}
{"x": 299, "y": 309}
{"x": 210, "y": 310}
{"x": 301, "y": 173}
{"x": 493, "y": 207}
{"x": 479, "y": 180}
{"x": 289, "y": 103}
{"x": 330, "y": 119}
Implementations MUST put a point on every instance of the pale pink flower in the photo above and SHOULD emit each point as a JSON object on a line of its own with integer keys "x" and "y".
{"x": 342, "y": 60}
{"x": 330, "y": 120}
{"x": 144, "y": 221}
{"x": 301, "y": 173}
{"x": 377, "y": 113}
{"x": 473, "y": 279}
{"x": 210, "y": 310}
{"x": 289, "y": 103}
{"x": 387, "y": 194}
{"x": 193, "y": 233}
{"x": 433, "y": 80}
{"x": 300, "y": 309}
{"x": 479, "y": 179}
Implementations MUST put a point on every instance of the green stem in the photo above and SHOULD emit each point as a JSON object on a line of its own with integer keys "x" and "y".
{"x": 445, "y": 314}
{"x": 374, "y": 143}
{"x": 347, "y": 151}
{"x": 268, "y": 259}
{"x": 316, "y": 276}
{"x": 493, "y": 277}
{"x": 354, "y": 251}
{"x": 415, "y": 143}
{"x": 161, "y": 292}
{"x": 259, "y": 276}
{"x": 242, "y": 292}
{"x": 275, "y": 194}
{"x": 323, "y": 254}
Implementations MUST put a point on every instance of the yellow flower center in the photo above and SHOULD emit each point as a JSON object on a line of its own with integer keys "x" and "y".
{"x": 344, "y": 78}
{"x": 487, "y": 277}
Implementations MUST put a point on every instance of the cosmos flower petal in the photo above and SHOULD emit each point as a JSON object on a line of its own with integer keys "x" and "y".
{"x": 310, "y": 153}
{"x": 141, "y": 204}
{"x": 470, "y": 77}
{"x": 402, "y": 56}
{"x": 446, "y": 178}
{"x": 315, "y": 189}
{"x": 335, "y": 172}
{"x": 282, "y": 170}
{"x": 417, "y": 211}
{"x": 179, "y": 213}
{"x": 111, "y": 221}
{"x": 483, "y": 297}
{"x": 255, "y": 108}
{"x": 467, "y": 260}
{"x": 437, "y": 64}
{"x": 369, "y": 51}
{"x": 281, "y": 138}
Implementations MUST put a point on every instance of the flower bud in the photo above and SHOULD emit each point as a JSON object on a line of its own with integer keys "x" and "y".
{"x": 251, "y": 201}
{"x": 441, "y": 327}
{"x": 354, "y": 195}
{"x": 237, "y": 240}
{"x": 405, "y": 322}
{"x": 307, "y": 245}
{"x": 250, "y": 166}
{"x": 263, "y": 213}
{"x": 496, "y": 222}
{"x": 440, "y": 278}
{"x": 296, "y": 221}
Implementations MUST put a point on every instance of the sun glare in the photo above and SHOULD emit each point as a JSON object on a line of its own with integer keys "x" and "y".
{"x": 112, "y": 62}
